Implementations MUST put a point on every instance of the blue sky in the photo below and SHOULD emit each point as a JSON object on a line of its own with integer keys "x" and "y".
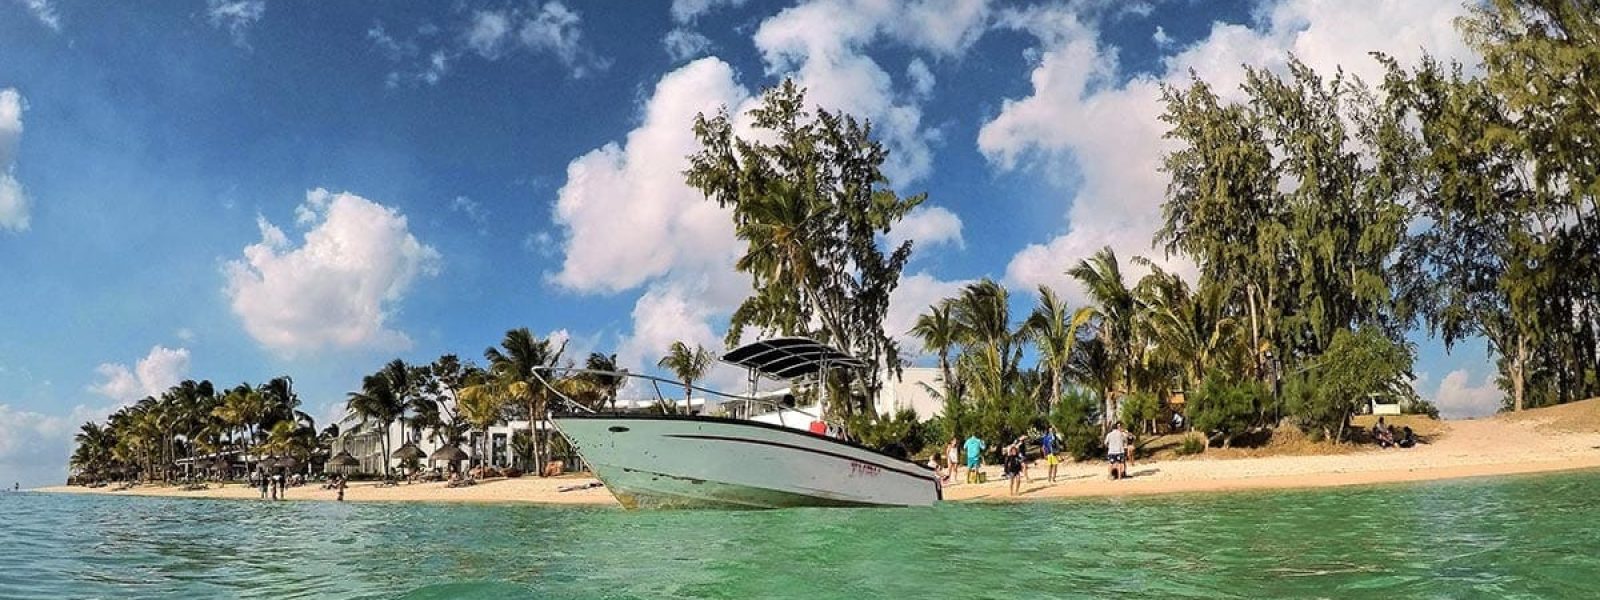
{"x": 237, "y": 190}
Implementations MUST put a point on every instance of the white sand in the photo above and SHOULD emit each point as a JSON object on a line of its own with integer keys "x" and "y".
{"x": 1494, "y": 446}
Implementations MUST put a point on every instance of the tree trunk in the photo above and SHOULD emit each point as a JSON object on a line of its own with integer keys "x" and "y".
{"x": 1255, "y": 329}
{"x": 1519, "y": 373}
{"x": 533, "y": 439}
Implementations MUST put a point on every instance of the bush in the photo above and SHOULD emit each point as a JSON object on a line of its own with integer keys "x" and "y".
{"x": 1357, "y": 366}
{"x": 1077, "y": 417}
{"x": 1138, "y": 409}
{"x": 1224, "y": 407}
{"x": 900, "y": 434}
{"x": 1191, "y": 445}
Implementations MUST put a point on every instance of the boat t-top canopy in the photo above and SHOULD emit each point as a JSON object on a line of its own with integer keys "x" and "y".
{"x": 790, "y": 357}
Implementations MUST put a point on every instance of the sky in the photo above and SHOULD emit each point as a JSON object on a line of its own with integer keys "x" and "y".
{"x": 239, "y": 189}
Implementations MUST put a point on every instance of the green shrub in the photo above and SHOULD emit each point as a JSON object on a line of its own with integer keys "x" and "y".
{"x": 1138, "y": 409}
{"x": 1191, "y": 444}
{"x": 1077, "y": 417}
{"x": 1357, "y": 366}
{"x": 1226, "y": 408}
{"x": 900, "y": 434}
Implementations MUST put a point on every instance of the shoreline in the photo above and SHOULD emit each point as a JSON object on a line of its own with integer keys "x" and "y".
{"x": 1476, "y": 448}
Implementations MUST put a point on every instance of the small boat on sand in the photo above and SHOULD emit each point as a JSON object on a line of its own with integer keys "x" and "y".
{"x": 765, "y": 454}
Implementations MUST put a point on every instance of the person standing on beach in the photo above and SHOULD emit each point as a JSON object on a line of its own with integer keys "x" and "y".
{"x": 974, "y": 448}
{"x": 1013, "y": 467}
{"x": 952, "y": 460}
{"x": 340, "y": 484}
{"x": 1047, "y": 445}
{"x": 1117, "y": 452}
{"x": 261, "y": 480}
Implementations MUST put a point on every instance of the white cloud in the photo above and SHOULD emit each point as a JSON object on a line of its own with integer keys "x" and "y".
{"x": 160, "y": 369}
{"x": 14, "y": 211}
{"x": 489, "y": 32}
{"x": 235, "y": 16}
{"x": 822, "y": 43}
{"x": 915, "y": 294}
{"x": 474, "y": 212}
{"x": 552, "y": 28}
{"x": 685, "y": 11}
{"x": 928, "y": 226}
{"x": 682, "y": 44}
{"x": 629, "y": 216}
{"x": 186, "y": 334}
{"x": 340, "y": 287}
{"x": 1081, "y": 120}
{"x": 1457, "y": 398}
{"x": 920, "y": 76}
{"x": 1161, "y": 38}
{"x": 44, "y": 11}
{"x": 33, "y": 446}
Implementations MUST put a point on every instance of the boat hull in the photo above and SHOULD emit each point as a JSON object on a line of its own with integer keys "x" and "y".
{"x": 650, "y": 461}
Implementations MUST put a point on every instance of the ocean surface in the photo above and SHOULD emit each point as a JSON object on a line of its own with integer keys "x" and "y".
{"x": 1529, "y": 537}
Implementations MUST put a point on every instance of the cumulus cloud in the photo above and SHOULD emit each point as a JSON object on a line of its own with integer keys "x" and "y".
{"x": 1085, "y": 120}
{"x": 474, "y": 212}
{"x": 629, "y": 216}
{"x": 821, "y": 43}
{"x": 630, "y": 221}
{"x": 235, "y": 16}
{"x": 160, "y": 369}
{"x": 339, "y": 287}
{"x": 14, "y": 212}
{"x": 928, "y": 226}
{"x": 912, "y": 298}
{"x": 682, "y": 44}
{"x": 44, "y": 11}
{"x": 1457, "y": 398}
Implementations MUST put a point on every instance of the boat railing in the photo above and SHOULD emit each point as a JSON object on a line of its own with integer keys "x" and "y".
{"x": 749, "y": 402}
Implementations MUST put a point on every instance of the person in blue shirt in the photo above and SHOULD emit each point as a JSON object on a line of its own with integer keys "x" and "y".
{"x": 974, "y": 447}
{"x": 1050, "y": 445}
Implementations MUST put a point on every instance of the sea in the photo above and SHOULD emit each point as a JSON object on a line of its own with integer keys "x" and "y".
{"x": 1514, "y": 537}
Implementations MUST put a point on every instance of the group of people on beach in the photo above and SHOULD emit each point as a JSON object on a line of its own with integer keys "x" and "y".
{"x": 275, "y": 486}
{"x": 1014, "y": 457}
{"x": 1385, "y": 436}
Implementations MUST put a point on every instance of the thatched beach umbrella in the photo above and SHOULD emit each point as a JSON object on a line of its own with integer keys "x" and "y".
{"x": 343, "y": 460}
{"x": 221, "y": 465}
{"x": 450, "y": 454}
{"x": 288, "y": 463}
{"x": 409, "y": 451}
{"x": 267, "y": 464}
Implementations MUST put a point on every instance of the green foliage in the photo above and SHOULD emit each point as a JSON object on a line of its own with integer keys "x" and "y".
{"x": 1358, "y": 366}
{"x": 900, "y": 434}
{"x": 1225, "y": 406}
{"x": 811, "y": 204}
{"x": 1191, "y": 445}
{"x": 1139, "y": 409}
{"x": 1077, "y": 416}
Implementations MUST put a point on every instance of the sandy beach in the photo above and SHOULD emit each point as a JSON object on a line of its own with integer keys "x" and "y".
{"x": 1554, "y": 439}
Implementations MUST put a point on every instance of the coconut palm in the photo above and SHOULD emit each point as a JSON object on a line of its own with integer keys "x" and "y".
{"x": 688, "y": 364}
{"x": 513, "y": 364}
{"x": 1115, "y": 312}
{"x": 606, "y": 384}
{"x": 376, "y": 404}
{"x": 938, "y": 333}
{"x": 482, "y": 405}
{"x": 1054, "y": 331}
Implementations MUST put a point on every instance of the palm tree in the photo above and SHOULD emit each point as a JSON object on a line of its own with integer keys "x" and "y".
{"x": 376, "y": 403}
{"x": 242, "y": 408}
{"x": 607, "y": 384}
{"x": 1054, "y": 332}
{"x": 688, "y": 364}
{"x": 482, "y": 405}
{"x": 92, "y": 457}
{"x": 514, "y": 362}
{"x": 938, "y": 333}
{"x": 1115, "y": 311}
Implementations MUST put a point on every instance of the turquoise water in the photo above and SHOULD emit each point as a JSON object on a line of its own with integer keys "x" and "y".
{"x": 1513, "y": 537}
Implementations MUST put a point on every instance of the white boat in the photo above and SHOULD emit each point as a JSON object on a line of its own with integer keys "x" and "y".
{"x": 692, "y": 461}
